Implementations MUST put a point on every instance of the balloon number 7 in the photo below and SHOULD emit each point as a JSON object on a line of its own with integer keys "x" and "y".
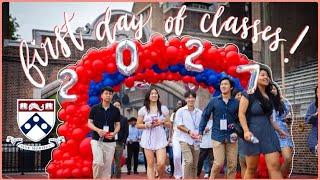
{"x": 254, "y": 70}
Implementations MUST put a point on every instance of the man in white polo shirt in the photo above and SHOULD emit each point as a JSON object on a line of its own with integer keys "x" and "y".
{"x": 188, "y": 119}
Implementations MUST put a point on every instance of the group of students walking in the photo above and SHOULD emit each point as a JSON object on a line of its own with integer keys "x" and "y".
{"x": 195, "y": 136}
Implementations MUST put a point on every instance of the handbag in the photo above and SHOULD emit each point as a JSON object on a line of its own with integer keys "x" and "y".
{"x": 237, "y": 126}
{"x": 238, "y": 129}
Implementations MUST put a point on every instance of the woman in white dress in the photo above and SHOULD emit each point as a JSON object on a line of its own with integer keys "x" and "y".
{"x": 178, "y": 172}
{"x": 151, "y": 118}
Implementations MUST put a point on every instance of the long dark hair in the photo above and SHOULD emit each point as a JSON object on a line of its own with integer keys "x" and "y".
{"x": 183, "y": 103}
{"x": 266, "y": 104}
{"x": 147, "y": 100}
{"x": 277, "y": 102}
{"x": 316, "y": 92}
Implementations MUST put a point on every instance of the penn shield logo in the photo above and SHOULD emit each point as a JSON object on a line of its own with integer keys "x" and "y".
{"x": 36, "y": 117}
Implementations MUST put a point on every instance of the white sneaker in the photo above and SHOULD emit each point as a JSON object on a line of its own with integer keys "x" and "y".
{"x": 206, "y": 176}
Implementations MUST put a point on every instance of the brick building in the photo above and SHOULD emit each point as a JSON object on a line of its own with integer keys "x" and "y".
{"x": 16, "y": 85}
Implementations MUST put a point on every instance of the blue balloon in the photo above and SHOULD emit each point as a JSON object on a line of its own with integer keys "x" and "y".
{"x": 174, "y": 68}
{"x": 199, "y": 78}
{"x": 120, "y": 77}
{"x": 107, "y": 82}
{"x": 183, "y": 72}
{"x": 212, "y": 80}
{"x": 93, "y": 100}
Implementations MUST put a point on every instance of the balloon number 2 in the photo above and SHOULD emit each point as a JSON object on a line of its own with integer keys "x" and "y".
{"x": 63, "y": 93}
{"x": 254, "y": 69}
{"x": 190, "y": 66}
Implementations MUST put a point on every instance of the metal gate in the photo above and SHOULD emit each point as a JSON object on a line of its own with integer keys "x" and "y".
{"x": 15, "y": 159}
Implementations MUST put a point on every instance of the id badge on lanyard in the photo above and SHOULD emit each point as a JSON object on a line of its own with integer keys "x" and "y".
{"x": 223, "y": 123}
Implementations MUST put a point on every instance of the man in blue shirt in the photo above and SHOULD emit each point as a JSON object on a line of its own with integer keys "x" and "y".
{"x": 133, "y": 146}
{"x": 224, "y": 110}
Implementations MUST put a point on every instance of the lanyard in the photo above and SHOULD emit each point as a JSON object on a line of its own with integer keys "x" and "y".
{"x": 106, "y": 117}
{"x": 194, "y": 118}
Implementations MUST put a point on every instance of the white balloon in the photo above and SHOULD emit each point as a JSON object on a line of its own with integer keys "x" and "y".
{"x": 254, "y": 69}
{"x": 63, "y": 92}
{"x": 190, "y": 66}
{"x": 142, "y": 85}
{"x": 123, "y": 69}
{"x": 191, "y": 87}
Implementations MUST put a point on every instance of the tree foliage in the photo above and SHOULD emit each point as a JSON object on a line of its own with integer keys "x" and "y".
{"x": 13, "y": 28}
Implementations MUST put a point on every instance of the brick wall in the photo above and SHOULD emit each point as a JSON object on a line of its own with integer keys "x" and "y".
{"x": 304, "y": 162}
{"x": 17, "y": 86}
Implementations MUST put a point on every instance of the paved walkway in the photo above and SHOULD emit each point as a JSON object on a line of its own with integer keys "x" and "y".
{"x": 141, "y": 175}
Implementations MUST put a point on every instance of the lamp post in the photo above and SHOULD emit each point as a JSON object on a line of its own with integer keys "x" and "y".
{"x": 282, "y": 69}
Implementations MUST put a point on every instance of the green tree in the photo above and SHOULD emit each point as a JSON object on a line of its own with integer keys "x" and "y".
{"x": 13, "y": 28}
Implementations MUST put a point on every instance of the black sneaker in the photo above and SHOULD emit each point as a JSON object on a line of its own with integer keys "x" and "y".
{"x": 135, "y": 172}
{"x": 128, "y": 172}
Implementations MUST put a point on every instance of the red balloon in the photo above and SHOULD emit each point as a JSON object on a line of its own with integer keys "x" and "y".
{"x": 80, "y": 70}
{"x": 158, "y": 40}
{"x": 69, "y": 163}
{"x": 117, "y": 88}
{"x": 84, "y": 110}
{"x": 262, "y": 170}
{"x": 187, "y": 79}
{"x": 71, "y": 109}
{"x": 147, "y": 63}
{"x": 87, "y": 64}
{"x": 76, "y": 173}
{"x": 63, "y": 146}
{"x": 78, "y": 134}
{"x": 66, "y": 173}
{"x": 154, "y": 56}
{"x": 85, "y": 148}
{"x": 231, "y": 47}
{"x": 66, "y": 155}
{"x": 59, "y": 173}
{"x": 232, "y": 70}
{"x": 174, "y": 42}
{"x": 213, "y": 56}
{"x": 86, "y": 171}
{"x": 129, "y": 82}
{"x": 62, "y": 114}
{"x": 243, "y": 61}
{"x": 72, "y": 146}
{"x": 211, "y": 90}
{"x": 111, "y": 68}
{"x": 126, "y": 57}
{"x": 51, "y": 168}
{"x": 62, "y": 130}
{"x": 171, "y": 53}
{"x": 87, "y": 163}
{"x": 232, "y": 58}
{"x": 206, "y": 44}
{"x": 98, "y": 65}
{"x": 57, "y": 154}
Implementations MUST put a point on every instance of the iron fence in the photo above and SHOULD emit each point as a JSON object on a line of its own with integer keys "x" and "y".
{"x": 16, "y": 160}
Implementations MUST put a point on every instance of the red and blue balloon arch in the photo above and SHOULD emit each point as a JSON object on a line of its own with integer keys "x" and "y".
{"x": 159, "y": 60}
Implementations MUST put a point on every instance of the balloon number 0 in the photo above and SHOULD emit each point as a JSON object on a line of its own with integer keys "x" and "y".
{"x": 190, "y": 66}
{"x": 63, "y": 93}
{"x": 123, "y": 69}
{"x": 254, "y": 69}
